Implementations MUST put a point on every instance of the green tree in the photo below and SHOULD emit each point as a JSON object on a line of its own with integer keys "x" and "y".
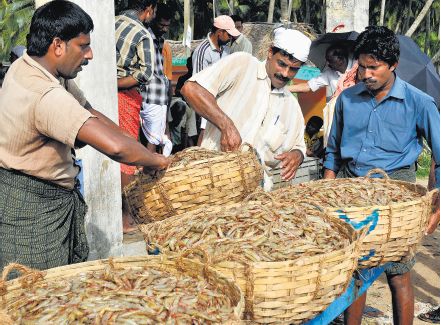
{"x": 15, "y": 18}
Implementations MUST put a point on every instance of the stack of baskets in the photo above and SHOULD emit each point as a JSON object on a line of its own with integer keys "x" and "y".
{"x": 397, "y": 223}
{"x": 286, "y": 290}
{"x": 197, "y": 177}
{"x": 121, "y": 290}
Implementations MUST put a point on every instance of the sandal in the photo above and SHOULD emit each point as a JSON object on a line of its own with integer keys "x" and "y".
{"x": 431, "y": 316}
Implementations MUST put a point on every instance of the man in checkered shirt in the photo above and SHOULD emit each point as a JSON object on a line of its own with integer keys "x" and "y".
{"x": 156, "y": 92}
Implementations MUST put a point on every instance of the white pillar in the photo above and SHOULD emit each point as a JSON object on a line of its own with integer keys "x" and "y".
{"x": 354, "y": 14}
{"x": 102, "y": 182}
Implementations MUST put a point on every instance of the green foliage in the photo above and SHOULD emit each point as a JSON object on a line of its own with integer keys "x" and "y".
{"x": 424, "y": 162}
{"x": 15, "y": 18}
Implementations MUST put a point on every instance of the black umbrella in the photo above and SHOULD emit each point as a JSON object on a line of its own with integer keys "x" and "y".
{"x": 417, "y": 68}
{"x": 320, "y": 45}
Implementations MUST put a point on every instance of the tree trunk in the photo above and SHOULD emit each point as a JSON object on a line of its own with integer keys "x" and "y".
{"x": 420, "y": 17}
{"x": 435, "y": 58}
{"x": 187, "y": 23}
{"x": 271, "y": 11}
{"x": 427, "y": 38}
{"x": 231, "y": 7}
{"x": 284, "y": 10}
{"x": 383, "y": 5}
{"x": 289, "y": 10}
{"x": 308, "y": 12}
{"x": 409, "y": 11}
{"x": 323, "y": 18}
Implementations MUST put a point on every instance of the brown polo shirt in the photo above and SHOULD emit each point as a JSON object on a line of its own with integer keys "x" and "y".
{"x": 40, "y": 117}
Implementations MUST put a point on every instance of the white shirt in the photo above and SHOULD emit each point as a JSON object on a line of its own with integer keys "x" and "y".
{"x": 329, "y": 78}
{"x": 269, "y": 119}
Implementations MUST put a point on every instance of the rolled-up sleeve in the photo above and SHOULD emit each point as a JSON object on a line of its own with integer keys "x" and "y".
{"x": 333, "y": 153}
{"x": 143, "y": 72}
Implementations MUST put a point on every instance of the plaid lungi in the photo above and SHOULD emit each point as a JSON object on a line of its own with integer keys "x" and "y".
{"x": 41, "y": 224}
{"x": 129, "y": 106}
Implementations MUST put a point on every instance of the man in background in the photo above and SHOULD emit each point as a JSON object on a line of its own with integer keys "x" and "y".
{"x": 240, "y": 43}
{"x": 212, "y": 49}
{"x": 337, "y": 63}
{"x": 135, "y": 63}
{"x": 155, "y": 92}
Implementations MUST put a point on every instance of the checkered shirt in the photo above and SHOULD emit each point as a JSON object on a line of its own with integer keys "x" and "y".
{"x": 156, "y": 90}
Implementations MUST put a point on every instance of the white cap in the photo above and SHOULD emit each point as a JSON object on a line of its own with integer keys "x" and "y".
{"x": 293, "y": 42}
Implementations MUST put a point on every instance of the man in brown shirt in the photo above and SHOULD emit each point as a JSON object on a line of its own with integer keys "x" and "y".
{"x": 43, "y": 117}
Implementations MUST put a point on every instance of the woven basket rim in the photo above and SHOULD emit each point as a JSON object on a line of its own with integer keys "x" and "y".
{"x": 348, "y": 208}
{"x": 14, "y": 286}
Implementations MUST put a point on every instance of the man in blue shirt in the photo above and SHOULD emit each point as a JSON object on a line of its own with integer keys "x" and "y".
{"x": 379, "y": 123}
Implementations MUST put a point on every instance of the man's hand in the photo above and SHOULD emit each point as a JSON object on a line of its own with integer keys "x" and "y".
{"x": 290, "y": 161}
{"x": 230, "y": 138}
{"x": 329, "y": 174}
{"x": 434, "y": 217}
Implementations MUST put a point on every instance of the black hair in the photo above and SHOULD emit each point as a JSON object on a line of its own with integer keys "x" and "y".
{"x": 58, "y": 18}
{"x": 163, "y": 12}
{"x": 140, "y": 5}
{"x": 275, "y": 50}
{"x": 380, "y": 42}
{"x": 315, "y": 121}
{"x": 214, "y": 29}
{"x": 339, "y": 50}
{"x": 237, "y": 18}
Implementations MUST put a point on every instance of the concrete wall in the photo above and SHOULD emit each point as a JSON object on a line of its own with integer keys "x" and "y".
{"x": 354, "y": 14}
{"x": 101, "y": 175}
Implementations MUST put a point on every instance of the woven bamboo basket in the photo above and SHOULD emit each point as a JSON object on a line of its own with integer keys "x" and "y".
{"x": 178, "y": 265}
{"x": 197, "y": 177}
{"x": 281, "y": 292}
{"x": 396, "y": 229}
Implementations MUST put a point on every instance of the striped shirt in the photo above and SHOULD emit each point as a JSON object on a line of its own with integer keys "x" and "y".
{"x": 134, "y": 48}
{"x": 205, "y": 54}
{"x": 156, "y": 90}
{"x": 269, "y": 119}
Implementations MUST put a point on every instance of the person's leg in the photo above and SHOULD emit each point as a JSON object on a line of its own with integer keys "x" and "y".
{"x": 402, "y": 297}
{"x": 129, "y": 224}
{"x": 354, "y": 313}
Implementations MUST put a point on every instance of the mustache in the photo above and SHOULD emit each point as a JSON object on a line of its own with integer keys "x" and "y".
{"x": 85, "y": 62}
{"x": 281, "y": 78}
{"x": 368, "y": 80}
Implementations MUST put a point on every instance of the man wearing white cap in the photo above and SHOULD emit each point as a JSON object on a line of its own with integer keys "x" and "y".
{"x": 246, "y": 100}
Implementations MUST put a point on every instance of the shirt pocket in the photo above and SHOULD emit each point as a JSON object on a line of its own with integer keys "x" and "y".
{"x": 392, "y": 137}
{"x": 275, "y": 136}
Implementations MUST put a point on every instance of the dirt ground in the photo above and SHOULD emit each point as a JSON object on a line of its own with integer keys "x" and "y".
{"x": 426, "y": 279}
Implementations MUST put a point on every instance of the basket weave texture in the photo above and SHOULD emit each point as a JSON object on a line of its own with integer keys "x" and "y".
{"x": 280, "y": 292}
{"x": 399, "y": 225}
{"x": 196, "y": 177}
{"x": 178, "y": 265}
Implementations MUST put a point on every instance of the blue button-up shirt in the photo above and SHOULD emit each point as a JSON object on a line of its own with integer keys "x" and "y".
{"x": 367, "y": 134}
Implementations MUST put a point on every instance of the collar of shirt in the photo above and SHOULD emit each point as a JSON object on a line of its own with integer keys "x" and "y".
{"x": 159, "y": 41}
{"x": 38, "y": 66}
{"x": 132, "y": 15}
{"x": 397, "y": 90}
{"x": 213, "y": 47}
{"x": 239, "y": 39}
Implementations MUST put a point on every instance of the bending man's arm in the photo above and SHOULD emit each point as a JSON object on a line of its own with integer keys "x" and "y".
{"x": 299, "y": 88}
{"x": 204, "y": 103}
{"x": 114, "y": 144}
